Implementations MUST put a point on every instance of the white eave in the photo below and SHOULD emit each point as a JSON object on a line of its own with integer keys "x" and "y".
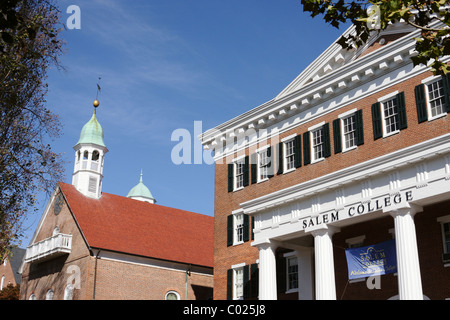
{"x": 302, "y": 93}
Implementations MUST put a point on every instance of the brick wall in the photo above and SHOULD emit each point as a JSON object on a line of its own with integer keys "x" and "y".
{"x": 226, "y": 202}
{"x": 114, "y": 279}
{"x": 7, "y": 272}
{"x": 119, "y": 280}
{"x": 38, "y": 278}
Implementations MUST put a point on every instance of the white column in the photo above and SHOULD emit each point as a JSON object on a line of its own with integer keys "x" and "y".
{"x": 305, "y": 273}
{"x": 408, "y": 269}
{"x": 323, "y": 249}
{"x": 267, "y": 272}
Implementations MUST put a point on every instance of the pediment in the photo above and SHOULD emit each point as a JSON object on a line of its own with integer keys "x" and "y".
{"x": 334, "y": 57}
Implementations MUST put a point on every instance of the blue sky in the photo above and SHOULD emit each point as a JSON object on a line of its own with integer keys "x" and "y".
{"x": 163, "y": 65}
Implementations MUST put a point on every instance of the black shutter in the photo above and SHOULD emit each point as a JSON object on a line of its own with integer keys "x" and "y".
{"x": 402, "y": 121}
{"x": 306, "y": 149}
{"x": 280, "y": 157}
{"x": 376, "y": 121}
{"x": 271, "y": 168}
{"x": 337, "y": 136}
{"x": 230, "y": 177}
{"x": 246, "y": 172}
{"x": 246, "y": 282}
{"x": 421, "y": 103}
{"x": 253, "y": 228}
{"x": 326, "y": 140}
{"x": 298, "y": 151}
{"x": 246, "y": 234}
{"x": 254, "y": 168}
{"x": 281, "y": 274}
{"x": 359, "y": 133}
{"x": 254, "y": 280}
{"x": 230, "y": 230}
{"x": 446, "y": 86}
{"x": 230, "y": 284}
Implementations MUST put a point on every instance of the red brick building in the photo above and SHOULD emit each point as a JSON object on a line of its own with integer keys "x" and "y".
{"x": 9, "y": 268}
{"x": 353, "y": 153}
{"x": 95, "y": 245}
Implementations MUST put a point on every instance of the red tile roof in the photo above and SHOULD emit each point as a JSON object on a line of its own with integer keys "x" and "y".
{"x": 130, "y": 226}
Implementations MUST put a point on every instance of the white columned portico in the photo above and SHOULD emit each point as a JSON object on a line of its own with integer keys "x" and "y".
{"x": 267, "y": 272}
{"x": 324, "y": 263}
{"x": 409, "y": 278}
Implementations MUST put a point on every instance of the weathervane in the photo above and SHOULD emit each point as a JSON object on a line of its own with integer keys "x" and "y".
{"x": 96, "y": 102}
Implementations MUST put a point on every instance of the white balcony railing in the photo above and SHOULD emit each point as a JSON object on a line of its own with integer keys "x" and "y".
{"x": 49, "y": 248}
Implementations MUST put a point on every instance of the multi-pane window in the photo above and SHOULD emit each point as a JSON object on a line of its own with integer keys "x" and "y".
{"x": 239, "y": 227}
{"x": 292, "y": 273}
{"x": 238, "y": 283}
{"x": 239, "y": 174}
{"x": 390, "y": 116}
{"x": 289, "y": 154}
{"x": 264, "y": 164}
{"x": 446, "y": 227}
{"x": 436, "y": 98}
{"x": 349, "y": 130}
{"x": 317, "y": 144}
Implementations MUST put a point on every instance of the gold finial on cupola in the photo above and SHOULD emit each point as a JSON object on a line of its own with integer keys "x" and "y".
{"x": 96, "y": 102}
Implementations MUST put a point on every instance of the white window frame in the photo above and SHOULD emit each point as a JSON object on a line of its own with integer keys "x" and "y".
{"x": 238, "y": 228}
{"x": 238, "y": 281}
{"x": 291, "y": 256}
{"x": 444, "y": 220}
{"x": 383, "y": 103}
{"x": 314, "y": 157}
{"x": 426, "y": 82}
{"x": 288, "y": 158}
{"x": 236, "y": 162}
{"x": 345, "y": 134}
{"x": 263, "y": 167}
{"x": 445, "y": 241}
{"x": 312, "y": 130}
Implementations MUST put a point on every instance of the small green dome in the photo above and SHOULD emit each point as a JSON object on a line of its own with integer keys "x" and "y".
{"x": 92, "y": 132}
{"x": 141, "y": 191}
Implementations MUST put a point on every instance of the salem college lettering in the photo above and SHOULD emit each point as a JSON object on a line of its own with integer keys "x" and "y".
{"x": 362, "y": 208}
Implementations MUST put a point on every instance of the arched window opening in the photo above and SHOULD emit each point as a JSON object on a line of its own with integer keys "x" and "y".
{"x": 85, "y": 160}
{"x": 49, "y": 295}
{"x": 95, "y": 155}
{"x": 172, "y": 295}
{"x": 68, "y": 292}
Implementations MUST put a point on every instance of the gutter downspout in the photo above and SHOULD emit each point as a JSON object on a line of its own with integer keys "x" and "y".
{"x": 188, "y": 272}
{"x": 95, "y": 273}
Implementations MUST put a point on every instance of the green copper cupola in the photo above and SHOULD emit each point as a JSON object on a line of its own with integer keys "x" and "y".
{"x": 92, "y": 132}
{"x": 141, "y": 192}
{"x": 90, "y": 153}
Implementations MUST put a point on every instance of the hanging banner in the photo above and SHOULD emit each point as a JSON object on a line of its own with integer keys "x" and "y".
{"x": 377, "y": 259}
